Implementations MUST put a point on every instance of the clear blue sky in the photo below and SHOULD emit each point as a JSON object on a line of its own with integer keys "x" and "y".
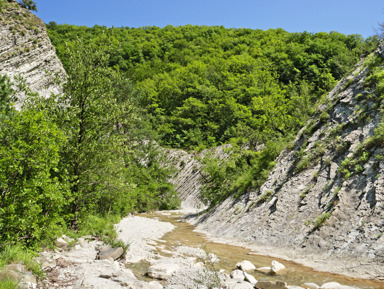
{"x": 345, "y": 16}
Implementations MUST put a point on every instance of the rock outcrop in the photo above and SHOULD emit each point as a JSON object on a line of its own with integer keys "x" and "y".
{"x": 189, "y": 179}
{"x": 326, "y": 194}
{"x": 26, "y": 51}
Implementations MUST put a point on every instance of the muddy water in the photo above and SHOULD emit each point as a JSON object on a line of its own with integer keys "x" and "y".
{"x": 230, "y": 255}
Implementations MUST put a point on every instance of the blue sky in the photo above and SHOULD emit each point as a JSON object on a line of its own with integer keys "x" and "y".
{"x": 345, "y": 16}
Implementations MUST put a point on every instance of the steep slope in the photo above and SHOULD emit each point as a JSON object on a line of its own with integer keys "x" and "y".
{"x": 326, "y": 195}
{"x": 26, "y": 51}
{"x": 188, "y": 178}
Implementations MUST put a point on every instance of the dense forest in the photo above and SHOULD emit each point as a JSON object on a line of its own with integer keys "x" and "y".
{"x": 205, "y": 86}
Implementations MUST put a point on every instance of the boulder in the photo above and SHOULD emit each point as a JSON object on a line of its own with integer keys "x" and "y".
{"x": 237, "y": 275}
{"x": 61, "y": 243}
{"x": 335, "y": 285}
{"x": 271, "y": 285}
{"x": 242, "y": 285}
{"x": 249, "y": 278}
{"x": 16, "y": 267}
{"x": 67, "y": 239}
{"x": 9, "y": 275}
{"x": 310, "y": 286}
{"x": 162, "y": 271}
{"x": 155, "y": 285}
{"x": 113, "y": 253}
{"x": 277, "y": 268}
{"x": 245, "y": 266}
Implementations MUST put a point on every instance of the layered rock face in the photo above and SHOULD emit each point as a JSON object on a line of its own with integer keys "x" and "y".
{"x": 189, "y": 179}
{"x": 326, "y": 195}
{"x": 26, "y": 51}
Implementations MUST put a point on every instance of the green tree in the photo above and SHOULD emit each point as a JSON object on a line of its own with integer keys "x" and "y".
{"x": 31, "y": 195}
{"x": 28, "y": 4}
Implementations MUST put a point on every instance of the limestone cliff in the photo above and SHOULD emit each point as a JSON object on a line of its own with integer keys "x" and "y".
{"x": 26, "y": 51}
{"x": 326, "y": 194}
{"x": 188, "y": 178}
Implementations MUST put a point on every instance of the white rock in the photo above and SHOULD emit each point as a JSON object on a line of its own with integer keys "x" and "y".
{"x": 264, "y": 269}
{"x": 243, "y": 285}
{"x": 310, "y": 286}
{"x": 155, "y": 285}
{"x": 335, "y": 285}
{"x": 245, "y": 266}
{"x": 250, "y": 278}
{"x": 238, "y": 275}
{"x": 61, "y": 243}
{"x": 277, "y": 268}
{"x": 162, "y": 271}
{"x": 68, "y": 239}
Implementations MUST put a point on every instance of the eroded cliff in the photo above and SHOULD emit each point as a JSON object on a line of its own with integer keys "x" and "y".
{"x": 325, "y": 195}
{"x": 26, "y": 51}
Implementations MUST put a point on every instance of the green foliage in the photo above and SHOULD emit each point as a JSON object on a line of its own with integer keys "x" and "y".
{"x": 28, "y": 4}
{"x": 82, "y": 158}
{"x": 320, "y": 220}
{"x": 207, "y": 85}
{"x": 19, "y": 254}
{"x": 32, "y": 195}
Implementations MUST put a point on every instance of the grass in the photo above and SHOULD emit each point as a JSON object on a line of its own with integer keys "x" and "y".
{"x": 320, "y": 220}
{"x": 19, "y": 254}
{"x": 102, "y": 227}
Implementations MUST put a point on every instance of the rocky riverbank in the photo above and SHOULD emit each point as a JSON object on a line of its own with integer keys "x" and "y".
{"x": 88, "y": 263}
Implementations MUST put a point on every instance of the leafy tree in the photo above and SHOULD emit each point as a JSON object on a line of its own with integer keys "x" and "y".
{"x": 28, "y": 4}
{"x": 31, "y": 196}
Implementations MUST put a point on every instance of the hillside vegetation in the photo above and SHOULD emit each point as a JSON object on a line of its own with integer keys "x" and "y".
{"x": 204, "y": 86}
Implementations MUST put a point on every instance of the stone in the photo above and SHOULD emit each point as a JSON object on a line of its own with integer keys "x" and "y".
{"x": 162, "y": 271}
{"x": 264, "y": 269}
{"x": 16, "y": 267}
{"x": 310, "y": 286}
{"x": 245, "y": 266}
{"x": 335, "y": 285}
{"x": 155, "y": 285}
{"x": 294, "y": 287}
{"x": 242, "y": 285}
{"x": 237, "y": 275}
{"x": 108, "y": 273}
{"x": 277, "y": 268}
{"x": 271, "y": 285}
{"x": 249, "y": 278}
{"x": 61, "y": 243}
{"x": 114, "y": 253}
{"x": 10, "y": 275}
{"x": 175, "y": 287}
{"x": 67, "y": 239}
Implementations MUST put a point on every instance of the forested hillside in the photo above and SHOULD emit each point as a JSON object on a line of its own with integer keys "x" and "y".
{"x": 77, "y": 156}
{"x": 205, "y": 86}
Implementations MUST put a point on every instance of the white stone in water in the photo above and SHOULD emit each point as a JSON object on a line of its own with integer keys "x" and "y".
{"x": 310, "y": 286}
{"x": 162, "y": 271}
{"x": 245, "y": 266}
{"x": 277, "y": 268}
{"x": 250, "y": 278}
{"x": 238, "y": 275}
{"x": 243, "y": 285}
{"x": 335, "y": 285}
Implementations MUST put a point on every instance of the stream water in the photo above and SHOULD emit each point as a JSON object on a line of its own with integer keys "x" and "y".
{"x": 229, "y": 255}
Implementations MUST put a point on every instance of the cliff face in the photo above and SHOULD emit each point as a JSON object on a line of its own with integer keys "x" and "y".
{"x": 326, "y": 195}
{"x": 26, "y": 51}
{"x": 189, "y": 179}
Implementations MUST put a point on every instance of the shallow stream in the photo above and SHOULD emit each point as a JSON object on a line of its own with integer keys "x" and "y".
{"x": 229, "y": 255}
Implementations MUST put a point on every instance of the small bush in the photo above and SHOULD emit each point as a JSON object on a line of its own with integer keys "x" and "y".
{"x": 321, "y": 220}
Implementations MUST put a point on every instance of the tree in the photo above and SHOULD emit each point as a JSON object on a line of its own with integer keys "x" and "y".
{"x": 28, "y": 4}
